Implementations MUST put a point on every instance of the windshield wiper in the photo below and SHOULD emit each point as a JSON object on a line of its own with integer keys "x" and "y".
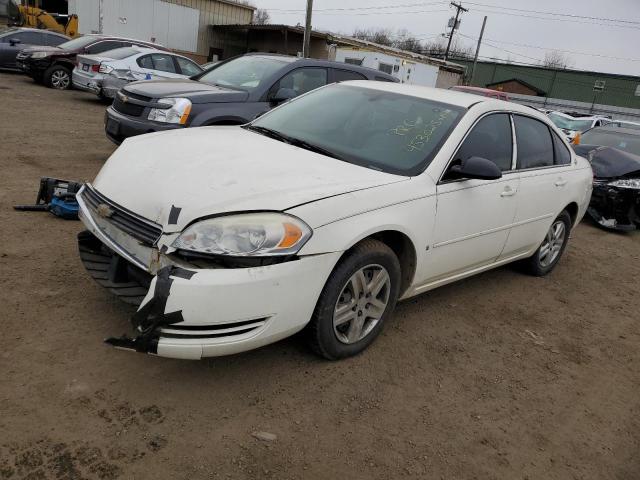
{"x": 314, "y": 148}
{"x": 269, "y": 132}
{"x": 296, "y": 142}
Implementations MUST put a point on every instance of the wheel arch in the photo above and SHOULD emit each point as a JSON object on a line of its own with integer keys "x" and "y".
{"x": 572, "y": 209}
{"x": 402, "y": 246}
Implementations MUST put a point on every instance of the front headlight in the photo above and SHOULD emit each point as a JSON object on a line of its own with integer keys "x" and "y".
{"x": 40, "y": 54}
{"x": 633, "y": 183}
{"x": 247, "y": 234}
{"x": 178, "y": 112}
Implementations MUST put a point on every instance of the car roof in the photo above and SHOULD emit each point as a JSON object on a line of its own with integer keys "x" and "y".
{"x": 325, "y": 63}
{"x": 99, "y": 36}
{"x": 453, "y": 97}
{"x": 612, "y": 129}
{"x": 27, "y": 29}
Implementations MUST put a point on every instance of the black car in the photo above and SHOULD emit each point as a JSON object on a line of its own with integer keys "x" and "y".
{"x": 53, "y": 65}
{"x": 614, "y": 154}
{"x": 232, "y": 93}
{"x": 13, "y": 40}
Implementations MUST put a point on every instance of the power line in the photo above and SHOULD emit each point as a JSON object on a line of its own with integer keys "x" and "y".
{"x": 503, "y": 49}
{"x": 365, "y": 14}
{"x": 570, "y": 15}
{"x": 554, "y": 19}
{"x": 419, "y": 4}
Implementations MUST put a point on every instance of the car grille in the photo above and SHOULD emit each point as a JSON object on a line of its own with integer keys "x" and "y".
{"x": 218, "y": 330}
{"x": 143, "y": 230}
{"x": 128, "y": 108}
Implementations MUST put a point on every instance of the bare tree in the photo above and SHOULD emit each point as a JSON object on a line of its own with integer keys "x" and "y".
{"x": 436, "y": 48}
{"x": 261, "y": 17}
{"x": 375, "y": 35}
{"x": 406, "y": 41}
{"x": 556, "y": 59}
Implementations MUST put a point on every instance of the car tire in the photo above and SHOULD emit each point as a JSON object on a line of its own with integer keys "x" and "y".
{"x": 548, "y": 254}
{"x": 358, "y": 297}
{"x": 58, "y": 77}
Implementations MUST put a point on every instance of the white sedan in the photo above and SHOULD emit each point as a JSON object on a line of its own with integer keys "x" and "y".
{"x": 108, "y": 72}
{"x": 322, "y": 213}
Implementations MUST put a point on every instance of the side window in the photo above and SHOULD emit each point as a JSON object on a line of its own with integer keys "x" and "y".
{"x": 105, "y": 46}
{"x": 385, "y": 67}
{"x": 54, "y": 40}
{"x": 491, "y": 138}
{"x": 145, "y": 62}
{"x": 344, "y": 75}
{"x": 32, "y": 38}
{"x": 302, "y": 80}
{"x": 562, "y": 155}
{"x": 188, "y": 67}
{"x": 163, "y": 62}
{"x": 533, "y": 137}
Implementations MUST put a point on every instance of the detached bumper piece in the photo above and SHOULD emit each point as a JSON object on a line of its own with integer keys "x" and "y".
{"x": 615, "y": 208}
{"x": 111, "y": 271}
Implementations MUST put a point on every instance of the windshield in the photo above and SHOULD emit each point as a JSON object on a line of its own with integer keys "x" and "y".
{"x": 570, "y": 123}
{"x": 376, "y": 129}
{"x": 77, "y": 43}
{"x": 245, "y": 73}
{"x": 622, "y": 141}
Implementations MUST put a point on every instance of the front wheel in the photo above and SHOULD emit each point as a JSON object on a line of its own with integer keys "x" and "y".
{"x": 58, "y": 77}
{"x": 358, "y": 297}
{"x": 548, "y": 254}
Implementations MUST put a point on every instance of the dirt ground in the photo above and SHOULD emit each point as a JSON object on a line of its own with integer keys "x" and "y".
{"x": 502, "y": 376}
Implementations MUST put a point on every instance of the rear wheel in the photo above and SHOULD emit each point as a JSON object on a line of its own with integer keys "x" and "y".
{"x": 358, "y": 297}
{"x": 548, "y": 254}
{"x": 58, "y": 77}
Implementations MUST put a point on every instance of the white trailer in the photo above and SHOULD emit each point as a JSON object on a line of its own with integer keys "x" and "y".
{"x": 407, "y": 70}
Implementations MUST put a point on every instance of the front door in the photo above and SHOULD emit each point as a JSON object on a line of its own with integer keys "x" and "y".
{"x": 473, "y": 217}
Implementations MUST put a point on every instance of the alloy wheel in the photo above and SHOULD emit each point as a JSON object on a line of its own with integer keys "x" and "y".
{"x": 60, "y": 79}
{"x": 361, "y": 303}
{"x": 552, "y": 245}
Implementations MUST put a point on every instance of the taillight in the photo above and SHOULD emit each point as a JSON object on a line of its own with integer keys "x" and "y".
{"x": 95, "y": 68}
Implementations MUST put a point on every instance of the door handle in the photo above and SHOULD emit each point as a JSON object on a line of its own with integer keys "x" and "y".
{"x": 560, "y": 182}
{"x": 508, "y": 192}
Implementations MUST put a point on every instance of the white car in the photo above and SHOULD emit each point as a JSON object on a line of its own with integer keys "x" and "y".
{"x": 106, "y": 73}
{"x": 322, "y": 213}
{"x": 572, "y": 126}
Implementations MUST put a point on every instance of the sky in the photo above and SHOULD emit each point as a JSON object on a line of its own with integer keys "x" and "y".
{"x": 608, "y": 41}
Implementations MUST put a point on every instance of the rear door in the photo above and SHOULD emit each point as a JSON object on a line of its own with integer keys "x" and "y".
{"x": 543, "y": 164}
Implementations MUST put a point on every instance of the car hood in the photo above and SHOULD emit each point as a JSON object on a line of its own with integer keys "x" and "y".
{"x": 197, "y": 92}
{"x": 44, "y": 48}
{"x": 210, "y": 170}
{"x": 609, "y": 162}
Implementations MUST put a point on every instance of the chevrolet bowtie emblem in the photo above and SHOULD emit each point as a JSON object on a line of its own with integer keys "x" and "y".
{"x": 123, "y": 98}
{"x": 104, "y": 210}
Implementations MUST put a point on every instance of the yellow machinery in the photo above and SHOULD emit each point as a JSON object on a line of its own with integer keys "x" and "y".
{"x": 34, "y": 17}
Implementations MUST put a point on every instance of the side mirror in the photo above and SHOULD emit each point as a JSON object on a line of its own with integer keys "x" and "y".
{"x": 14, "y": 41}
{"x": 283, "y": 94}
{"x": 477, "y": 168}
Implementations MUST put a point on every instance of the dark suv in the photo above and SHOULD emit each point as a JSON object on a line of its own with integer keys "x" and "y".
{"x": 232, "y": 93}
{"x": 53, "y": 65}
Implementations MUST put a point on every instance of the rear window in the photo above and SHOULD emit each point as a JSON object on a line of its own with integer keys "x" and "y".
{"x": 120, "y": 53}
{"x": 535, "y": 148}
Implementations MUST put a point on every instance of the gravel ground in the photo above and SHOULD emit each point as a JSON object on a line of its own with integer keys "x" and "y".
{"x": 499, "y": 376}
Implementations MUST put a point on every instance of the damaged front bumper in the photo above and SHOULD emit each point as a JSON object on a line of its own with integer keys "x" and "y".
{"x": 614, "y": 207}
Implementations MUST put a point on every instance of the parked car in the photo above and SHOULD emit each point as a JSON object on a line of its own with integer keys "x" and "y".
{"x": 614, "y": 154}
{"x": 234, "y": 92}
{"x": 53, "y": 65}
{"x": 484, "y": 92}
{"x": 13, "y": 40}
{"x": 572, "y": 125}
{"x": 108, "y": 72}
{"x": 322, "y": 213}
{"x": 623, "y": 124}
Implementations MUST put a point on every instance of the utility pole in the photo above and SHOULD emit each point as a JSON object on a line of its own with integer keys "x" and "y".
{"x": 307, "y": 31}
{"x": 475, "y": 59}
{"x": 453, "y": 27}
